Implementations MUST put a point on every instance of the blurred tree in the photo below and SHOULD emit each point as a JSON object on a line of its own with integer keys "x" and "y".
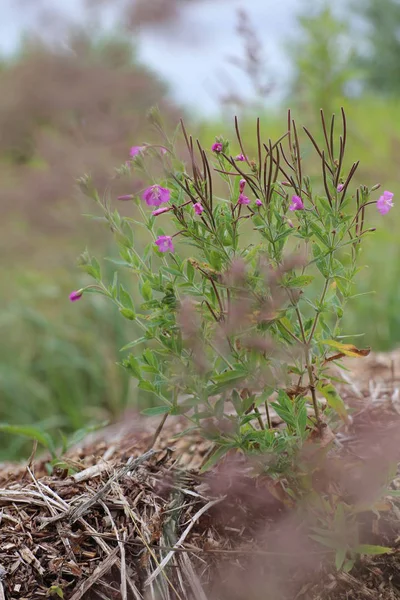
{"x": 322, "y": 61}
{"x": 66, "y": 109}
{"x": 379, "y": 50}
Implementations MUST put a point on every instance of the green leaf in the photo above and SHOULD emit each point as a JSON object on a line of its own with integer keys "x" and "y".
{"x": 214, "y": 458}
{"x": 190, "y": 271}
{"x": 133, "y": 366}
{"x": 155, "y": 410}
{"x": 125, "y": 298}
{"x": 146, "y": 386}
{"x": 134, "y": 343}
{"x": 299, "y": 282}
{"x": 348, "y": 565}
{"x": 150, "y": 357}
{"x": 319, "y": 234}
{"x": 321, "y": 260}
{"x": 284, "y": 414}
{"x": 372, "y": 550}
{"x": 55, "y": 590}
{"x": 340, "y": 557}
{"x": 80, "y": 434}
{"x": 334, "y": 400}
{"x": 237, "y": 402}
{"x": 329, "y": 542}
{"x": 340, "y": 518}
{"x": 31, "y": 432}
{"x": 172, "y": 271}
{"x": 128, "y": 314}
{"x": 227, "y": 380}
{"x": 119, "y": 263}
{"x": 302, "y": 421}
{"x": 146, "y": 290}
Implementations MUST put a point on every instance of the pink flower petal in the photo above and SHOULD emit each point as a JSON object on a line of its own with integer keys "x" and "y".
{"x": 217, "y": 147}
{"x": 198, "y": 208}
{"x": 135, "y": 150}
{"x": 164, "y": 243}
{"x": 297, "y": 203}
{"x": 243, "y": 199}
{"x": 156, "y": 195}
{"x": 385, "y": 203}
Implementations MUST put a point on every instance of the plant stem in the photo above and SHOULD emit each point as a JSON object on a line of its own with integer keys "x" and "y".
{"x": 312, "y": 386}
{"x": 296, "y": 339}
{"x": 309, "y": 368}
{"x": 220, "y": 355}
{"x": 318, "y": 313}
{"x": 157, "y": 432}
{"x": 259, "y": 419}
{"x": 268, "y": 415}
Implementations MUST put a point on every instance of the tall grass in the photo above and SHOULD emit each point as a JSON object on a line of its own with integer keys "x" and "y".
{"x": 58, "y": 362}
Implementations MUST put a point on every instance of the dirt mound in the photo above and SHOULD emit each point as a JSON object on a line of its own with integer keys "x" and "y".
{"x": 121, "y": 517}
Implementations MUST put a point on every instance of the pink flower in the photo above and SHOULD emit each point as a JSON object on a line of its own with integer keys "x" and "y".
{"x": 156, "y": 195}
{"x": 160, "y": 211}
{"x": 243, "y": 199}
{"x": 258, "y": 202}
{"x": 164, "y": 243}
{"x": 340, "y": 187}
{"x": 240, "y": 157}
{"x": 385, "y": 203}
{"x": 217, "y": 147}
{"x": 126, "y": 197}
{"x": 242, "y": 185}
{"x": 135, "y": 150}
{"x": 198, "y": 208}
{"x": 163, "y": 150}
{"x": 76, "y": 295}
{"x": 297, "y": 203}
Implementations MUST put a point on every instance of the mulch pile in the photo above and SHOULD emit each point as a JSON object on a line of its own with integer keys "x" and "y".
{"x": 133, "y": 523}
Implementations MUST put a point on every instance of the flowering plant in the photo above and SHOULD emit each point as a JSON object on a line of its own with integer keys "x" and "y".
{"x": 243, "y": 284}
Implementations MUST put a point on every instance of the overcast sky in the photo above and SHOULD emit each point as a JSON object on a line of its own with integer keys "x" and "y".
{"x": 193, "y": 62}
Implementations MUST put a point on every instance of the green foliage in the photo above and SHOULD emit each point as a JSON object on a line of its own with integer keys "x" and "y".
{"x": 189, "y": 347}
{"x": 339, "y": 532}
{"x": 379, "y": 55}
{"x": 55, "y": 374}
{"x": 322, "y": 58}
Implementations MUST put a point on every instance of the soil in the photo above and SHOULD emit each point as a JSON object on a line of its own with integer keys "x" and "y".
{"x": 103, "y": 524}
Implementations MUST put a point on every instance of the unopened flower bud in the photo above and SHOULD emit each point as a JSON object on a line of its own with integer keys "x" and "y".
{"x": 160, "y": 211}
{"x": 75, "y": 295}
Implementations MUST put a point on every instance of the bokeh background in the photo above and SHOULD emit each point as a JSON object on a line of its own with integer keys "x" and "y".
{"x": 77, "y": 78}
